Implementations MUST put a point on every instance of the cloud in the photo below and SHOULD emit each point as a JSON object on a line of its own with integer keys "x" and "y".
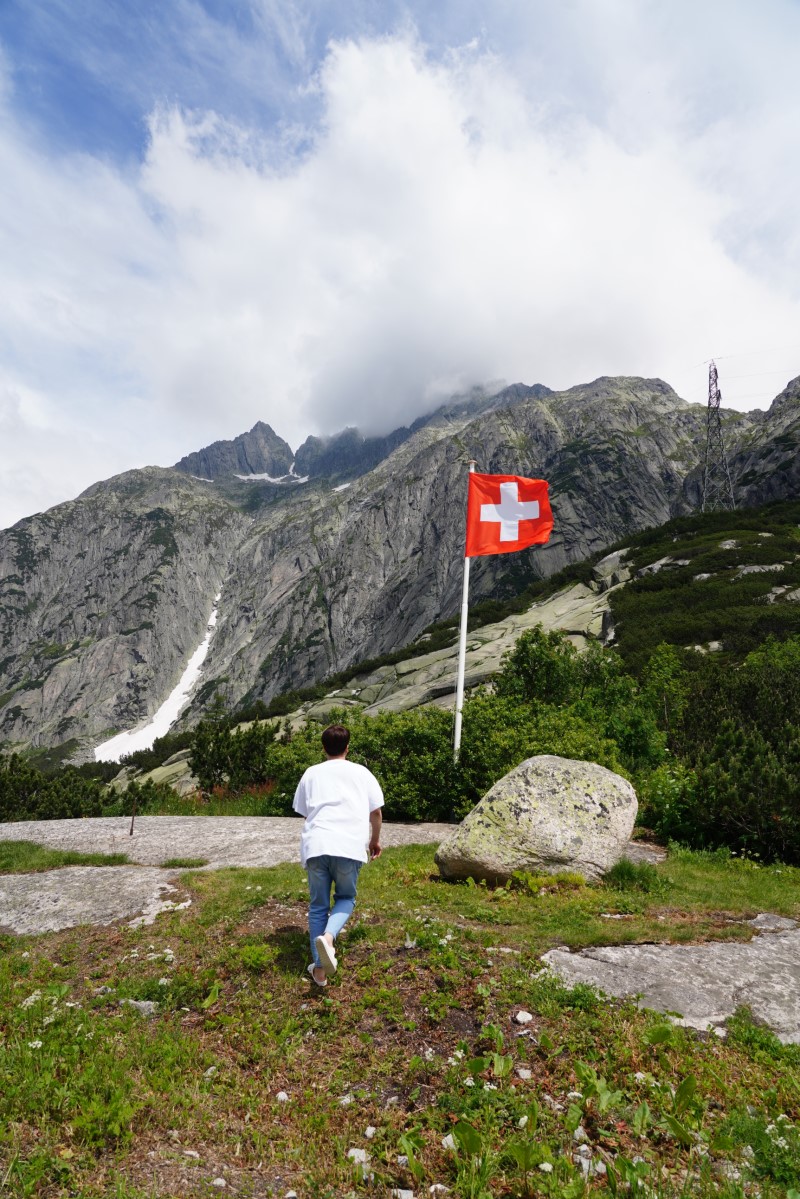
{"x": 447, "y": 218}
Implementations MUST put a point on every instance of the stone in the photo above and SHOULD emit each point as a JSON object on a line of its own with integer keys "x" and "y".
{"x": 546, "y": 815}
{"x": 523, "y": 1017}
{"x": 145, "y": 1007}
{"x": 282, "y": 1097}
{"x": 704, "y": 983}
{"x": 449, "y": 1142}
{"x": 357, "y": 1155}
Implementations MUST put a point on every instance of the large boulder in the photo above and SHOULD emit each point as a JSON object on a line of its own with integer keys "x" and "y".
{"x": 548, "y": 814}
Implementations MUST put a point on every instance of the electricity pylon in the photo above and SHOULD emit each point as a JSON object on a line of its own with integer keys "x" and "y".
{"x": 717, "y": 486}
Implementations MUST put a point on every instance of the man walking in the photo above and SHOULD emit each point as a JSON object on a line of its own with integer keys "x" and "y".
{"x": 342, "y": 803}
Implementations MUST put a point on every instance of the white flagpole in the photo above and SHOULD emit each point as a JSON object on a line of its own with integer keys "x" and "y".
{"x": 462, "y": 651}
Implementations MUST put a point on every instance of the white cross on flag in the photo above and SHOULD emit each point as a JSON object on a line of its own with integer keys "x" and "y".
{"x": 506, "y": 513}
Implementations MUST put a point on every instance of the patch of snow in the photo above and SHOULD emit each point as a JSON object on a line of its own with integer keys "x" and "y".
{"x": 264, "y": 478}
{"x": 342, "y": 487}
{"x": 170, "y": 710}
{"x": 201, "y": 479}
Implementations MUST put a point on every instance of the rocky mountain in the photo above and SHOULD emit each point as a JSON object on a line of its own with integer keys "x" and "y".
{"x": 102, "y": 600}
{"x": 259, "y": 452}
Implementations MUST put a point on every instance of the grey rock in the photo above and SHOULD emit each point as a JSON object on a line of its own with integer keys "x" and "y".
{"x": 145, "y": 1007}
{"x": 705, "y": 983}
{"x": 547, "y": 814}
{"x": 74, "y": 895}
{"x": 258, "y": 452}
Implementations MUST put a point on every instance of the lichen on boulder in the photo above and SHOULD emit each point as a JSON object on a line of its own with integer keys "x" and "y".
{"x": 546, "y": 815}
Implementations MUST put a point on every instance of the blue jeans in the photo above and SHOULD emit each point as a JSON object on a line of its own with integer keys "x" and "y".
{"x": 326, "y": 871}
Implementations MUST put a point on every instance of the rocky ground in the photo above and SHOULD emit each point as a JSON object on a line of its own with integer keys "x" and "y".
{"x": 705, "y": 983}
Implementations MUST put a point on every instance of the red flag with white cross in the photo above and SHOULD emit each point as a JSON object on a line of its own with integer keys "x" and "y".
{"x": 506, "y": 513}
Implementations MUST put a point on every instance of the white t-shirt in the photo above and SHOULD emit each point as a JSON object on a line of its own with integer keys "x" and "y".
{"x": 336, "y": 798}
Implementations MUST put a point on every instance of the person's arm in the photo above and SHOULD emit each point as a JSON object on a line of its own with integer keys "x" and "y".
{"x": 300, "y": 804}
{"x": 375, "y": 822}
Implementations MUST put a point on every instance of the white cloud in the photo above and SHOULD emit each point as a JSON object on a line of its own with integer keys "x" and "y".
{"x": 450, "y": 221}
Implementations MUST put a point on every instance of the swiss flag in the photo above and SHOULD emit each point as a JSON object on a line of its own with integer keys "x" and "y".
{"x": 506, "y": 513}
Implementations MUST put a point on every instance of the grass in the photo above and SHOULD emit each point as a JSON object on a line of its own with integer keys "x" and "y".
{"x": 24, "y": 857}
{"x": 414, "y": 1038}
{"x": 184, "y": 863}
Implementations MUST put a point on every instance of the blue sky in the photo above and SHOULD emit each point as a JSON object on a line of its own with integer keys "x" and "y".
{"x": 318, "y": 214}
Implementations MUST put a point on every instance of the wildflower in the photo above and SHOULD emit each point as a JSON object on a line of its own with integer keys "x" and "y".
{"x": 34, "y": 1044}
{"x": 489, "y": 1086}
{"x": 469, "y": 1081}
{"x": 546, "y": 1167}
{"x": 31, "y": 1000}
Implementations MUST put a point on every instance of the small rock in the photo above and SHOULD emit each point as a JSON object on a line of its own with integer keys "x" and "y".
{"x": 393, "y": 1100}
{"x": 145, "y": 1007}
{"x": 599, "y": 1168}
{"x": 522, "y": 1122}
{"x": 282, "y": 1097}
{"x": 345, "y": 1100}
{"x": 397, "y": 1193}
{"x": 439, "y": 1188}
{"x": 448, "y": 1142}
{"x": 574, "y": 1094}
{"x": 523, "y": 1017}
{"x": 219, "y": 1182}
{"x": 210, "y": 1072}
{"x": 173, "y": 1134}
{"x": 102, "y": 990}
{"x": 357, "y": 1155}
{"x": 402, "y": 1159}
{"x": 524, "y": 1073}
{"x": 290, "y": 1195}
{"x": 191, "y": 1153}
{"x": 580, "y": 1135}
{"x": 369, "y": 1131}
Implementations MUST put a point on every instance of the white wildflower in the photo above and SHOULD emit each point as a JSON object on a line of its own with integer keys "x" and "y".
{"x": 34, "y": 1044}
{"x": 546, "y": 1167}
{"x": 469, "y": 1081}
{"x": 489, "y": 1086}
{"x": 32, "y": 999}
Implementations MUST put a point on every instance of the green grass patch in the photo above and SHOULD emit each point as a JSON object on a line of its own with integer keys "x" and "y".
{"x": 25, "y": 857}
{"x": 184, "y": 863}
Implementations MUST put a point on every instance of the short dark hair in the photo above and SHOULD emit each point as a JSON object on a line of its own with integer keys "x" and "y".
{"x": 335, "y": 740}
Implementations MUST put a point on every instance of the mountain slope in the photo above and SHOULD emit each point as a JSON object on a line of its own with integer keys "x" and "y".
{"x": 106, "y": 597}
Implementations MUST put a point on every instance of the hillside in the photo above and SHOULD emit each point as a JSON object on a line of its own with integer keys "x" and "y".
{"x": 103, "y": 600}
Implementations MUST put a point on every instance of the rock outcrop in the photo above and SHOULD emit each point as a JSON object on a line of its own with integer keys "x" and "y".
{"x": 259, "y": 452}
{"x": 546, "y": 815}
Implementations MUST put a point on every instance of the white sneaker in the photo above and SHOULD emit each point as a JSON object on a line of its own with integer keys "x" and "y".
{"x": 326, "y": 955}
{"x": 311, "y": 968}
